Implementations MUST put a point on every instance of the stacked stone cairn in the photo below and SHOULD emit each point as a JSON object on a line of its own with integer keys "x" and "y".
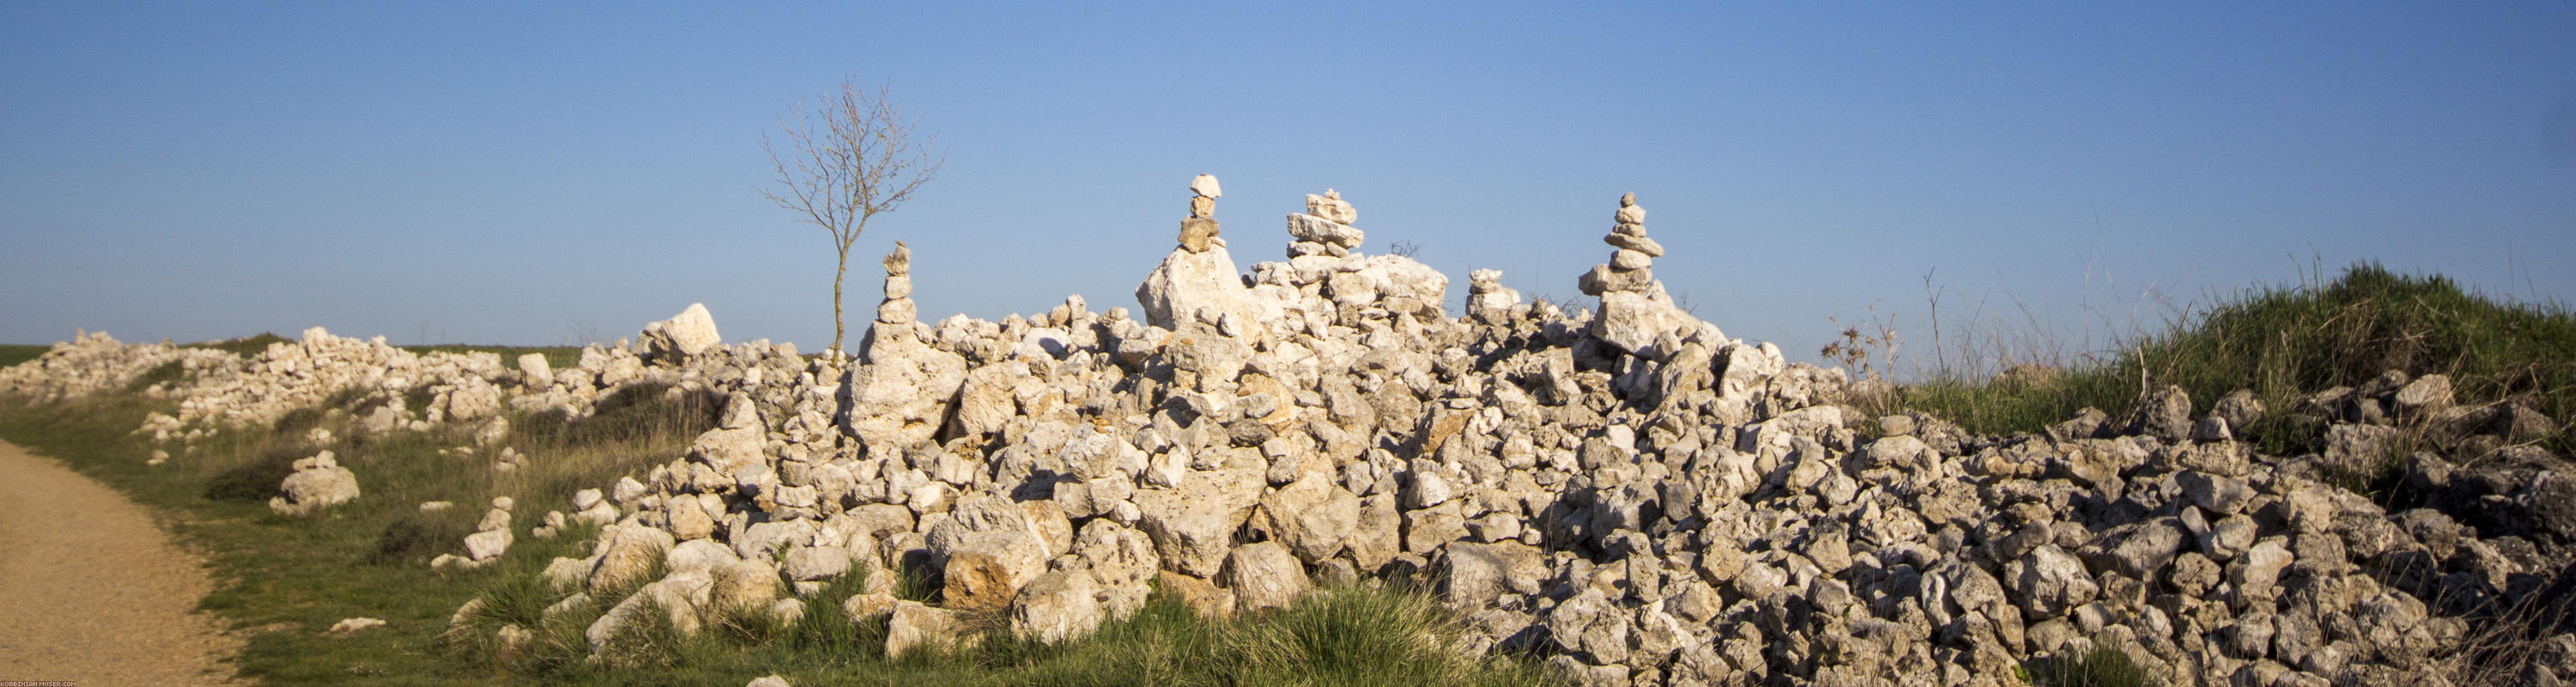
{"x": 1635, "y": 311}
{"x": 1488, "y": 301}
{"x": 1325, "y": 227}
{"x": 1629, "y": 495}
{"x": 1198, "y": 231}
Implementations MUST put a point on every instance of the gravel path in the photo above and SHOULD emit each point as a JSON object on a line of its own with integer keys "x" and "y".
{"x": 91, "y": 591}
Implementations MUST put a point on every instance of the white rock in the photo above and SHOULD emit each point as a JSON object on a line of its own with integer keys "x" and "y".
{"x": 355, "y": 624}
{"x": 1320, "y": 230}
{"x": 484, "y": 546}
{"x": 1057, "y": 606}
{"x": 1205, "y": 185}
{"x": 319, "y": 482}
{"x": 534, "y": 370}
{"x": 687, "y": 334}
{"x": 1196, "y": 286}
{"x": 1262, "y": 576}
{"x": 1331, "y": 208}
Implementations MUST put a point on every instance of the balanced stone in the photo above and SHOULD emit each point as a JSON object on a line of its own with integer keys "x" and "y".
{"x": 1323, "y": 230}
{"x": 1636, "y": 242}
{"x": 899, "y": 262}
{"x": 1198, "y": 234}
{"x": 1331, "y": 207}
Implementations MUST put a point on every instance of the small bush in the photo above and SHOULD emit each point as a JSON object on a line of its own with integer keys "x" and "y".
{"x": 248, "y": 346}
{"x": 295, "y": 421}
{"x": 256, "y": 479}
{"x": 635, "y": 413}
{"x": 413, "y": 540}
{"x": 165, "y": 372}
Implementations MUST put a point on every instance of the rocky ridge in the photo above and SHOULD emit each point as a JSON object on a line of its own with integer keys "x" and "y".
{"x": 1625, "y": 492}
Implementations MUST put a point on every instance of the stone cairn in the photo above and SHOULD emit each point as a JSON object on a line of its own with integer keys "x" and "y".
{"x": 1631, "y": 268}
{"x": 897, "y": 309}
{"x": 1325, "y": 228}
{"x": 1198, "y": 233}
{"x": 1488, "y": 301}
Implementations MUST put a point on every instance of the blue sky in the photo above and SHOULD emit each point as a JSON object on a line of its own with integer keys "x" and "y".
{"x": 541, "y": 173}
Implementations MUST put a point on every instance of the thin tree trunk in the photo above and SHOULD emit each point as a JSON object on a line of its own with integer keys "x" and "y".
{"x": 837, "y": 273}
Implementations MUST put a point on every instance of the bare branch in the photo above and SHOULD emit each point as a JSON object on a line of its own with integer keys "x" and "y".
{"x": 853, "y": 156}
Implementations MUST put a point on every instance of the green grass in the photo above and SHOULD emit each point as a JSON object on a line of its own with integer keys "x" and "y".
{"x": 2102, "y": 666}
{"x": 1366, "y": 634}
{"x": 2285, "y": 343}
{"x": 12, "y": 354}
{"x": 284, "y": 581}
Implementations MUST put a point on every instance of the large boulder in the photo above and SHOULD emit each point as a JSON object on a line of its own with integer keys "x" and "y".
{"x": 914, "y": 626}
{"x": 1474, "y": 575}
{"x": 901, "y": 391}
{"x": 986, "y": 550}
{"x": 1200, "y": 286}
{"x": 318, "y": 482}
{"x": 1056, "y": 607}
{"x": 1263, "y": 576}
{"x": 687, "y": 334}
{"x": 631, "y": 552}
{"x": 1633, "y": 320}
{"x": 1312, "y": 516}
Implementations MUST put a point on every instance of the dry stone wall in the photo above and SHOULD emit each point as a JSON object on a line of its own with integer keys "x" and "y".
{"x": 1625, "y": 491}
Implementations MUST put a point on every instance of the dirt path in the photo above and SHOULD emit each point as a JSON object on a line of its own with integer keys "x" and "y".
{"x": 91, "y": 591}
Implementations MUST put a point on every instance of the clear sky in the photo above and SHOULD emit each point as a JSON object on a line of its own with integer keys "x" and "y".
{"x": 546, "y": 173}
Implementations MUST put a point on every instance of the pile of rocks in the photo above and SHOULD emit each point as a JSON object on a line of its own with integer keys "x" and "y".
{"x": 490, "y": 539}
{"x": 317, "y": 483}
{"x": 94, "y": 363}
{"x": 1626, "y": 492}
{"x": 1325, "y": 228}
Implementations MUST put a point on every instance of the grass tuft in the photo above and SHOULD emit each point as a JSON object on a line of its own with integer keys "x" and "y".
{"x": 2286, "y": 342}
{"x": 2101, "y": 666}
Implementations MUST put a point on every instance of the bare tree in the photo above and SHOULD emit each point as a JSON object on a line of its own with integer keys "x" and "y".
{"x": 853, "y": 156}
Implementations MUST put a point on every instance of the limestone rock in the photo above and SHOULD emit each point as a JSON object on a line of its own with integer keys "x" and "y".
{"x": 1331, "y": 208}
{"x": 1057, "y": 607}
{"x": 534, "y": 371}
{"x": 901, "y": 390}
{"x": 1320, "y": 230}
{"x": 1195, "y": 286}
{"x": 915, "y": 627}
{"x": 1263, "y": 576}
{"x": 317, "y": 483}
{"x": 1633, "y": 321}
{"x": 689, "y": 333}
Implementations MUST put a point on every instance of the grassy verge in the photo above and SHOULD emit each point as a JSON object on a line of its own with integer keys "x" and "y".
{"x": 2287, "y": 342}
{"x": 284, "y": 581}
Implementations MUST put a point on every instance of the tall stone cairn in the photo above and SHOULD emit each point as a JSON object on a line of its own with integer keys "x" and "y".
{"x": 1631, "y": 268}
{"x": 1198, "y": 232}
{"x": 897, "y": 311}
{"x": 1325, "y": 227}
